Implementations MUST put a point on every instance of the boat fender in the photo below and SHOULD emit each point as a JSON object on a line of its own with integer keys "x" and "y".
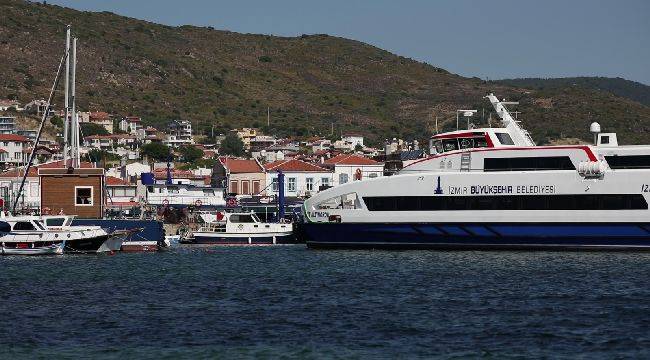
{"x": 592, "y": 168}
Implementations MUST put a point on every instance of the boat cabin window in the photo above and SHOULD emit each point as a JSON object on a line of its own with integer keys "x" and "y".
{"x": 208, "y": 191}
{"x": 83, "y": 195}
{"x": 628, "y": 161}
{"x": 504, "y": 139}
{"x": 528, "y": 163}
{"x": 172, "y": 189}
{"x": 241, "y": 218}
{"x": 24, "y": 225}
{"x": 346, "y": 201}
{"x": 54, "y": 222}
{"x": 445, "y": 145}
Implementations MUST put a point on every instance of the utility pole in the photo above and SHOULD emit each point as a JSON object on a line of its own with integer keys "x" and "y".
{"x": 268, "y": 116}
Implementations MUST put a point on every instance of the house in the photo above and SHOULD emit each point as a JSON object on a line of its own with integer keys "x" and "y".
{"x": 37, "y": 107}
{"x": 102, "y": 119}
{"x": 301, "y": 178}
{"x": 7, "y": 124}
{"x": 246, "y": 135}
{"x": 104, "y": 142}
{"x": 131, "y": 125}
{"x": 10, "y": 184}
{"x": 349, "y": 142}
{"x": 180, "y": 177}
{"x": 120, "y": 193}
{"x": 352, "y": 167}
{"x": 6, "y": 104}
{"x": 243, "y": 177}
{"x": 180, "y": 133}
{"x": 29, "y": 134}
{"x": 12, "y": 150}
{"x": 261, "y": 142}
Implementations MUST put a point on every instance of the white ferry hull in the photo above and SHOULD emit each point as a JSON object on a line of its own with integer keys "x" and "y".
{"x": 242, "y": 238}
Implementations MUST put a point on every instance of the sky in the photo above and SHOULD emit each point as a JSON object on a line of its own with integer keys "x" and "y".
{"x": 492, "y": 39}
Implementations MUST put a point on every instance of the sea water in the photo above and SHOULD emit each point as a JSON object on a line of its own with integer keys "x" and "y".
{"x": 233, "y": 302}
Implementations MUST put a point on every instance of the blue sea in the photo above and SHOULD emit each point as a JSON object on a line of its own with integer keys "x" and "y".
{"x": 291, "y": 302}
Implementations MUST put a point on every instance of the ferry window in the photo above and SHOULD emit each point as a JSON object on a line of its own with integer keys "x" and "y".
{"x": 346, "y": 201}
{"x": 528, "y": 163}
{"x": 604, "y": 139}
{"x": 628, "y": 161}
{"x": 83, "y": 195}
{"x": 438, "y": 146}
{"x": 450, "y": 144}
{"x": 480, "y": 142}
{"x": 504, "y": 138}
{"x": 465, "y": 143}
{"x": 508, "y": 202}
{"x": 24, "y": 225}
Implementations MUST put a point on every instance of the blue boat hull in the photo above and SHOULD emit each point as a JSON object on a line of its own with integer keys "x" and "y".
{"x": 477, "y": 236}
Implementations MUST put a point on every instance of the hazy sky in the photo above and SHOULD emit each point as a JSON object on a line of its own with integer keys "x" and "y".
{"x": 495, "y": 39}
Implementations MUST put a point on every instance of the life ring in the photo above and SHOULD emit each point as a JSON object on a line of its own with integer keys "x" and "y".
{"x": 165, "y": 202}
{"x": 198, "y": 203}
{"x": 232, "y": 202}
{"x": 358, "y": 175}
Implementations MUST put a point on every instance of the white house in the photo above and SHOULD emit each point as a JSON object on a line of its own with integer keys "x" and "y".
{"x": 180, "y": 133}
{"x": 13, "y": 150}
{"x": 301, "y": 178}
{"x": 349, "y": 142}
{"x": 7, "y": 124}
{"x": 131, "y": 125}
{"x": 351, "y": 167}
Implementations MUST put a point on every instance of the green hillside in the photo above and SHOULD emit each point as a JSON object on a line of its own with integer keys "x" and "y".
{"x": 225, "y": 79}
{"x": 617, "y": 86}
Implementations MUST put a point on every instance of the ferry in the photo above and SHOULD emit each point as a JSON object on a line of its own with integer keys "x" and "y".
{"x": 241, "y": 228}
{"x": 493, "y": 188}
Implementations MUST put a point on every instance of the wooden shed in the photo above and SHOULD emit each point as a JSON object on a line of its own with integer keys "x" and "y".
{"x": 73, "y": 191}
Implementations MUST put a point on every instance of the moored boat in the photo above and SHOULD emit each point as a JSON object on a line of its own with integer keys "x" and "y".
{"x": 493, "y": 188}
{"x": 241, "y": 229}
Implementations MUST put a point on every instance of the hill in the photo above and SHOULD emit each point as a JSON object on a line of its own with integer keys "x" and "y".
{"x": 310, "y": 83}
{"x": 618, "y": 86}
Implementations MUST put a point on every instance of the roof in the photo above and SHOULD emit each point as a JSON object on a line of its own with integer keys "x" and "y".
{"x": 350, "y": 159}
{"x": 293, "y": 166}
{"x": 33, "y": 171}
{"x": 240, "y": 166}
{"x": 115, "y": 181}
{"x": 98, "y": 115}
{"x": 13, "y": 137}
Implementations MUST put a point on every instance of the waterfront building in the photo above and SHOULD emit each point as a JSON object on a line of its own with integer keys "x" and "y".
{"x": 352, "y": 167}
{"x": 242, "y": 176}
{"x": 12, "y": 150}
{"x": 302, "y": 179}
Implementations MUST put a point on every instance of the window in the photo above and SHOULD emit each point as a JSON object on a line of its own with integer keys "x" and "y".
{"x": 172, "y": 189}
{"x": 275, "y": 185}
{"x": 24, "y": 225}
{"x": 343, "y": 178}
{"x": 528, "y": 163}
{"x": 372, "y": 175}
{"x": 504, "y": 138}
{"x": 83, "y": 195}
{"x": 325, "y": 181}
{"x": 508, "y": 202}
{"x": 604, "y": 139}
{"x": 256, "y": 187}
{"x": 309, "y": 184}
{"x": 245, "y": 187}
{"x": 628, "y": 161}
{"x": 465, "y": 143}
{"x": 438, "y": 146}
{"x": 234, "y": 188}
{"x": 346, "y": 201}
{"x": 241, "y": 219}
{"x": 54, "y": 222}
{"x": 450, "y": 144}
{"x": 291, "y": 184}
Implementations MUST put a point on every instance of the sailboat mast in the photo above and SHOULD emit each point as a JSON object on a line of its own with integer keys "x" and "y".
{"x": 66, "y": 109}
{"x": 75, "y": 120}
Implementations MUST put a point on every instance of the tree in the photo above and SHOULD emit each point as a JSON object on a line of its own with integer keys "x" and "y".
{"x": 232, "y": 145}
{"x": 56, "y": 121}
{"x": 90, "y": 129}
{"x": 156, "y": 151}
{"x": 190, "y": 154}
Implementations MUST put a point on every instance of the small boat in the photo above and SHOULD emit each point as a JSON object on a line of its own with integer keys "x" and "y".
{"x": 240, "y": 228}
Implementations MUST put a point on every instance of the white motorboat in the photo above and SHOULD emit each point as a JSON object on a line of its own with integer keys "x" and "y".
{"x": 493, "y": 188}
{"x": 241, "y": 228}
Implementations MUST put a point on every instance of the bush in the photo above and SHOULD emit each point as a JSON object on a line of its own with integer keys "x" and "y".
{"x": 265, "y": 59}
{"x": 156, "y": 151}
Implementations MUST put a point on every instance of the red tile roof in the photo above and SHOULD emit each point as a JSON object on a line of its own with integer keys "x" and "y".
{"x": 13, "y": 137}
{"x": 98, "y": 115}
{"x": 240, "y": 166}
{"x": 115, "y": 181}
{"x": 350, "y": 159}
{"x": 293, "y": 166}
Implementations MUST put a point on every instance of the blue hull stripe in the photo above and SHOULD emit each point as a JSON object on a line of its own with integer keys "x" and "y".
{"x": 496, "y": 235}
